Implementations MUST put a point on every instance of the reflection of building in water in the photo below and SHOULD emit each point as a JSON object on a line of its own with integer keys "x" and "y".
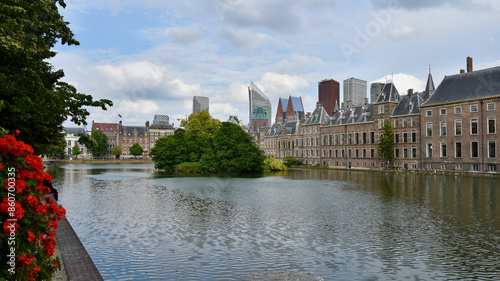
{"x": 259, "y": 108}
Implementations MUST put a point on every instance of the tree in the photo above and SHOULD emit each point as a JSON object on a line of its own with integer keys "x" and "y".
{"x": 233, "y": 151}
{"x": 76, "y": 151}
{"x": 96, "y": 143}
{"x": 117, "y": 151}
{"x": 386, "y": 143}
{"x": 136, "y": 149}
{"x": 170, "y": 151}
{"x": 290, "y": 160}
{"x": 201, "y": 123}
{"x": 33, "y": 98}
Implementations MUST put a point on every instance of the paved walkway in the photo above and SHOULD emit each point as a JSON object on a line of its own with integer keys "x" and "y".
{"x": 76, "y": 261}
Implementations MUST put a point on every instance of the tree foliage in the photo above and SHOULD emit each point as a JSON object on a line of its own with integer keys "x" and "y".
{"x": 33, "y": 98}
{"x": 201, "y": 123}
{"x": 233, "y": 151}
{"x": 275, "y": 164}
{"x": 386, "y": 143}
{"x": 170, "y": 150}
{"x": 136, "y": 149}
{"x": 76, "y": 150}
{"x": 290, "y": 160}
{"x": 117, "y": 151}
{"x": 96, "y": 143}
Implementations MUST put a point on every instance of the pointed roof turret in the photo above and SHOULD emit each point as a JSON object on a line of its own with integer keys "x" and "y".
{"x": 429, "y": 88}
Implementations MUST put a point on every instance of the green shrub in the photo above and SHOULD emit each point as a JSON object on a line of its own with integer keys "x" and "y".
{"x": 290, "y": 160}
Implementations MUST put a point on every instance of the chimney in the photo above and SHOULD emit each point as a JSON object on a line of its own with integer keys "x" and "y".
{"x": 410, "y": 93}
{"x": 366, "y": 101}
{"x": 462, "y": 71}
{"x": 120, "y": 122}
{"x": 349, "y": 103}
{"x": 318, "y": 104}
{"x": 469, "y": 64}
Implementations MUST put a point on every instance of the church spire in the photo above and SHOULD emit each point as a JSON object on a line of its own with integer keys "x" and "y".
{"x": 429, "y": 88}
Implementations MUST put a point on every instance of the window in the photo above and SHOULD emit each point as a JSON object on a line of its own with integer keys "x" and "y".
{"x": 429, "y": 129}
{"x": 396, "y": 138}
{"x": 443, "y": 128}
{"x": 492, "y": 149}
{"x": 473, "y": 126}
{"x": 490, "y": 106}
{"x": 357, "y": 153}
{"x": 405, "y": 152}
{"x": 414, "y": 152}
{"x": 396, "y": 152}
{"x": 491, "y": 125}
{"x": 458, "y": 110}
{"x": 443, "y": 149}
{"x": 473, "y": 108}
{"x": 475, "y": 167}
{"x": 396, "y": 123}
{"x": 349, "y": 138}
{"x": 442, "y": 111}
{"x": 381, "y": 109}
{"x": 458, "y": 127}
{"x": 336, "y": 139}
{"x": 372, "y": 137}
{"x": 414, "y": 137}
{"x": 458, "y": 150}
{"x": 356, "y": 138}
{"x": 443, "y": 166}
{"x": 364, "y": 153}
{"x": 458, "y": 167}
{"x": 329, "y": 139}
{"x": 405, "y": 122}
{"x": 474, "y": 149}
{"x": 429, "y": 150}
{"x": 428, "y": 113}
{"x": 492, "y": 167}
{"x": 69, "y": 144}
{"x": 342, "y": 139}
{"x": 414, "y": 121}
{"x": 364, "y": 137}
{"x": 405, "y": 137}
{"x": 372, "y": 153}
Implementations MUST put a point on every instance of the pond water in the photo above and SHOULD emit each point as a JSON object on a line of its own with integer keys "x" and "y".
{"x": 138, "y": 224}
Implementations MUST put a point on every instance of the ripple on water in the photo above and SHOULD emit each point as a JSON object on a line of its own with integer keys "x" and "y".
{"x": 225, "y": 229}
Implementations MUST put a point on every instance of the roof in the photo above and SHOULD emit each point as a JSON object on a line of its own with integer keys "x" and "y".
{"x": 352, "y": 115}
{"x": 160, "y": 127}
{"x": 464, "y": 86}
{"x": 284, "y": 104}
{"x": 409, "y": 105}
{"x": 389, "y": 93}
{"x": 129, "y": 130}
{"x": 274, "y": 130}
{"x": 289, "y": 128}
{"x": 75, "y": 131}
{"x": 430, "y": 85}
{"x": 318, "y": 116}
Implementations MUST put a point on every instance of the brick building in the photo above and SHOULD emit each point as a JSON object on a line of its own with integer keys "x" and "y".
{"x": 453, "y": 127}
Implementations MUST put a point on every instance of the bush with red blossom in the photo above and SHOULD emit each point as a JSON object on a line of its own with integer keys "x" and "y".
{"x": 27, "y": 216}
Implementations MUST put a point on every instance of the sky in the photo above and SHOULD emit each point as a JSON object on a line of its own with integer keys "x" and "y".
{"x": 152, "y": 56}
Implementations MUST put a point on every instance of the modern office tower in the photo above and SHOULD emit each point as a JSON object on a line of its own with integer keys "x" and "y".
{"x": 375, "y": 90}
{"x": 329, "y": 95}
{"x": 354, "y": 91}
{"x": 161, "y": 120}
{"x": 199, "y": 104}
{"x": 290, "y": 109}
{"x": 259, "y": 108}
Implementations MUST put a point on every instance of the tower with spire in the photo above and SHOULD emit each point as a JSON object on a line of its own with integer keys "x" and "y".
{"x": 429, "y": 88}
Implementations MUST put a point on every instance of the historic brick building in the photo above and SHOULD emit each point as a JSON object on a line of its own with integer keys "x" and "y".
{"x": 453, "y": 127}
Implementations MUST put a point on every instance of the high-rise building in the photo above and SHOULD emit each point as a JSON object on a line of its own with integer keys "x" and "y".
{"x": 329, "y": 95}
{"x": 290, "y": 109}
{"x": 161, "y": 120}
{"x": 375, "y": 90}
{"x": 259, "y": 108}
{"x": 354, "y": 91}
{"x": 199, "y": 104}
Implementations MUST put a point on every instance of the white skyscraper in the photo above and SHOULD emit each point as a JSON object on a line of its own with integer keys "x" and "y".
{"x": 354, "y": 91}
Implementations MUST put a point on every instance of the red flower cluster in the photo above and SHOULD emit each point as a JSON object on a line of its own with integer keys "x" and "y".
{"x": 26, "y": 212}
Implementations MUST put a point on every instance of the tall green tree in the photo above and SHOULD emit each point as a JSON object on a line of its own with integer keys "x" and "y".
{"x": 33, "y": 98}
{"x": 233, "y": 151}
{"x": 386, "y": 143}
{"x": 75, "y": 151}
{"x": 136, "y": 149}
{"x": 201, "y": 123}
{"x": 96, "y": 143}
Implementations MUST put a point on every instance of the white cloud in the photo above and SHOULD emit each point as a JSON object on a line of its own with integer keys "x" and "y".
{"x": 276, "y": 85}
{"x": 402, "y": 32}
{"x": 403, "y": 82}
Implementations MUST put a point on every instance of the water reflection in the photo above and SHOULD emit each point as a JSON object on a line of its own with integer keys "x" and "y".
{"x": 138, "y": 224}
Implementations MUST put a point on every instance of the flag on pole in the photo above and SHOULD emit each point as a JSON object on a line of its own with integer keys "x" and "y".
{"x": 119, "y": 115}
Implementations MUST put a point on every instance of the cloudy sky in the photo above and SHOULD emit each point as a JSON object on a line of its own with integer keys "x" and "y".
{"x": 152, "y": 56}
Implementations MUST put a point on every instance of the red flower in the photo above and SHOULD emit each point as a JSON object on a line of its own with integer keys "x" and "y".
{"x": 47, "y": 177}
{"x": 16, "y": 132}
{"x": 56, "y": 264}
{"x": 31, "y": 235}
{"x": 10, "y": 226}
{"x": 34, "y": 270}
{"x": 32, "y": 200}
{"x": 1, "y": 166}
{"x": 20, "y": 186}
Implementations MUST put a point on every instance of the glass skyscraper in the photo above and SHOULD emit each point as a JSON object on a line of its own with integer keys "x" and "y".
{"x": 199, "y": 104}
{"x": 259, "y": 108}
